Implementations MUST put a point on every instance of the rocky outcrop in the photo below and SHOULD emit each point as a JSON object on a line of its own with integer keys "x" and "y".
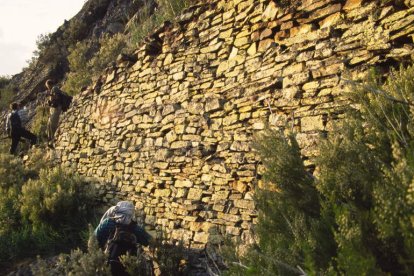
{"x": 172, "y": 128}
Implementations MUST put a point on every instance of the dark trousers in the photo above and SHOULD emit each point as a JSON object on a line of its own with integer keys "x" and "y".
{"x": 117, "y": 269}
{"x": 21, "y": 133}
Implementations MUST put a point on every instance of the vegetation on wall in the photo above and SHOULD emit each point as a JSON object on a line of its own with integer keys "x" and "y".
{"x": 355, "y": 216}
{"x": 87, "y": 62}
{"x": 148, "y": 20}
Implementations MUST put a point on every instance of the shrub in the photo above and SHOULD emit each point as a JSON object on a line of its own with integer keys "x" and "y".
{"x": 12, "y": 172}
{"x": 9, "y": 211}
{"x": 25, "y": 242}
{"x": 75, "y": 31}
{"x": 160, "y": 258}
{"x": 111, "y": 47}
{"x": 85, "y": 62}
{"x": 93, "y": 262}
{"x": 6, "y": 92}
{"x": 4, "y": 81}
{"x": 290, "y": 231}
{"x": 40, "y": 213}
{"x": 356, "y": 217}
{"x": 80, "y": 74}
{"x": 36, "y": 161}
{"x": 39, "y": 124}
{"x": 149, "y": 18}
{"x": 137, "y": 265}
{"x": 58, "y": 199}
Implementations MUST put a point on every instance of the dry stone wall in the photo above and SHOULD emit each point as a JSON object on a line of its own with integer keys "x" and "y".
{"x": 171, "y": 128}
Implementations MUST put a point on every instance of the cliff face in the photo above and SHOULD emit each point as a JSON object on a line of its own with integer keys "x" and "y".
{"x": 173, "y": 130}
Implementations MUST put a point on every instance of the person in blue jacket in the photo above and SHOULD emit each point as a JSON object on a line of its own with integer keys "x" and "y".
{"x": 116, "y": 224}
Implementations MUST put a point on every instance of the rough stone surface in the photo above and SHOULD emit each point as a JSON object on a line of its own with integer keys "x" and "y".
{"x": 172, "y": 132}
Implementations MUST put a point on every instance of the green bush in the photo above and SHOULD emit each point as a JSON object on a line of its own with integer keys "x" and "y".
{"x": 58, "y": 199}
{"x": 4, "y": 81}
{"x": 93, "y": 262}
{"x": 9, "y": 211}
{"x": 111, "y": 47}
{"x": 36, "y": 161}
{"x": 86, "y": 64}
{"x": 24, "y": 242}
{"x": 6, "y": 92}
{"x": 356, "y": 216}
{"x": 80, "y": 74}
{"x": 160, "y": 258}
{"x": 39, "y": 123}
{"x": 149, "y": 20}
{"x": 12, "y": 172}
{"x": 43, "y": 210}
{"x": 41, "y": 213}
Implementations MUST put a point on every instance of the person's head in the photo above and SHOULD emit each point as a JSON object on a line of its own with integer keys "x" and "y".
{"x": 49, "y": 84}
{"x": 123, "y": 212}
{"x": 20, "y": 105}
{"x": 14, "y": 106}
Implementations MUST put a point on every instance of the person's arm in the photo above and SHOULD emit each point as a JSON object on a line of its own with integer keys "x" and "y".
{"x": 103, "y": 230}
{"x": 142, "y": 236}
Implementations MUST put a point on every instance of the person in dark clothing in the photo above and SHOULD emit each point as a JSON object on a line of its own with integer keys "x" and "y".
{"x": 15, "y": 130}
{"x": 119, "y": 220}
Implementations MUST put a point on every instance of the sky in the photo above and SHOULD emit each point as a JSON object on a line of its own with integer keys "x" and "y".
{"x": 22, "y": 21}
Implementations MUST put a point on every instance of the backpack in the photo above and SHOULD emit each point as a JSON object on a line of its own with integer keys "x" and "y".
{"x": 121, "y": 241}
{"x": 15, "y": 122}
{"x": 65, "y": 100}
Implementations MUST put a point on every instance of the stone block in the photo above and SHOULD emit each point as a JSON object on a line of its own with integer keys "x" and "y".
{"x": 252, "y": 50}
{"x": 293, "y": 69}
{"x": 244, "y": 204}
{"x": 234, "y": 231}
{"x": 183, "y": 183}
{"x": 242, "y": 41}
{"x": 180, "y": 145}
{"x": 201, "y": 237}
{"x": 179, "y": 76}
{"x": 270, "y": 12}
{"x": 330, "y": 20}
{"x": 352, "y": 4}
{"x": 194, "y": 194}
{"x": 313, "y": 123}
{"x": 223, "y": 66}
{"x": 212, "y": 104}
{"x": 220, "y": 195}
{"x": 162, "y": 193}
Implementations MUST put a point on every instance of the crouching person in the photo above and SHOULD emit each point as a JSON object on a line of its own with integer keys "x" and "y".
{"x": 118, "y": 233}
